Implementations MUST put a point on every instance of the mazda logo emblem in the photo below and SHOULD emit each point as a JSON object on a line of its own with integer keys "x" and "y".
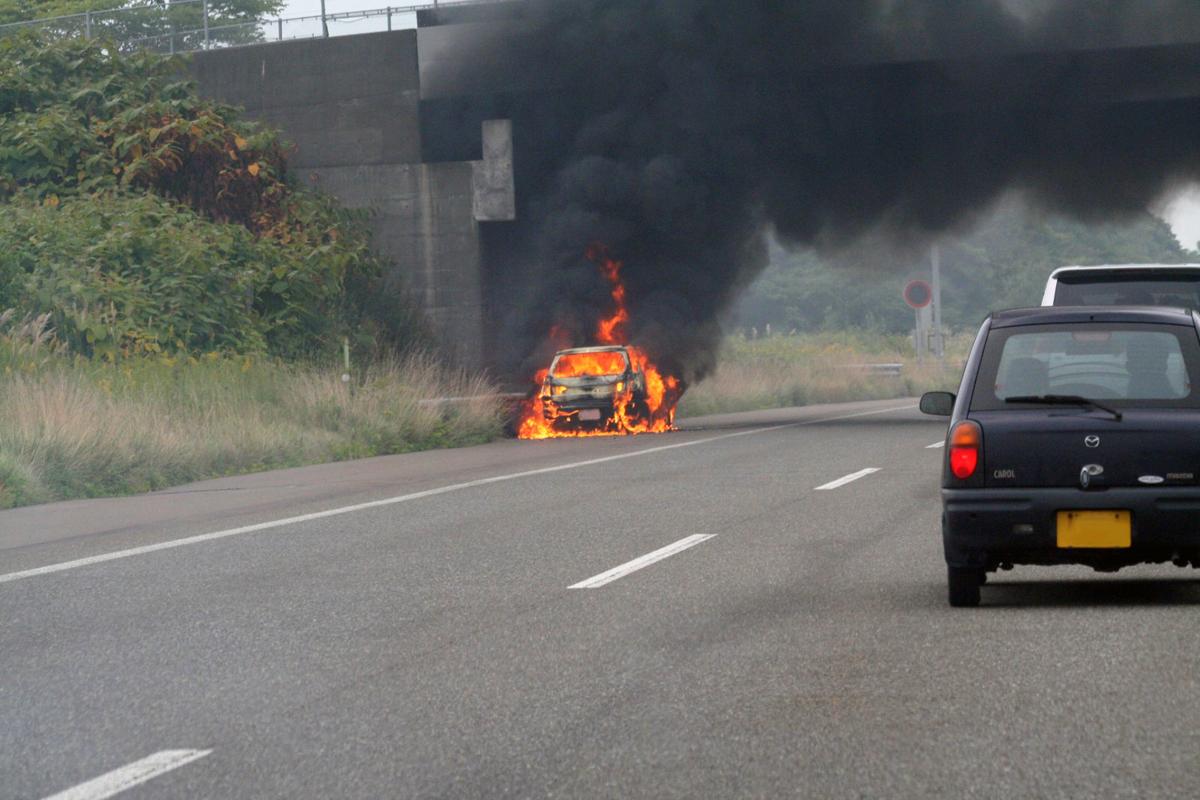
{"x": 1092, "y": 441}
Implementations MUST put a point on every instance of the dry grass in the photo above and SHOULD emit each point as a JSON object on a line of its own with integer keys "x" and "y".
{"x": 800, "y": 370}
{"x": 78, "y": 429}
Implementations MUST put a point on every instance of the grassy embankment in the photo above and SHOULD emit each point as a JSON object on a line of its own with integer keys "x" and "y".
{"x": 76, "y": 428}
{"x": 818, "y": 368}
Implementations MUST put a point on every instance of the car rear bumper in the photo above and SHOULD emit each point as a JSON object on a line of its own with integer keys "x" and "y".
{"x": 982, "y": 527}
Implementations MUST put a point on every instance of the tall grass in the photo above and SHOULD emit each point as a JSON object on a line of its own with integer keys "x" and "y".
{"x": 781, "y": 371}
{"x": 74, "y": 428}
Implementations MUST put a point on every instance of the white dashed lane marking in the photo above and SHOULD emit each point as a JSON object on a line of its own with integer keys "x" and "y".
{"x": 621, "y": 571}
{"x": 130, "y": 775}
{"x": 842, "y": 481}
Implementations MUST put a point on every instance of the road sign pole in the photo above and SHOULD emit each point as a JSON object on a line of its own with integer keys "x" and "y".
{"x": 935, "y": 258}
{"x": 917, "y": 337}
{"x": 918, "y": 294}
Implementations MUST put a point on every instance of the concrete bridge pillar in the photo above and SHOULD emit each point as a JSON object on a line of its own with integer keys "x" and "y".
{"x": 352, "y": 107}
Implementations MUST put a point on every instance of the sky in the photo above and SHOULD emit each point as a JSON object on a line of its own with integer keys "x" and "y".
{"x": 304, "y": 8}
{"x": 1181, "y": 211}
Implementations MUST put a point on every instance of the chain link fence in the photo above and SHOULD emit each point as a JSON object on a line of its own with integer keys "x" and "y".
{"x": 182, "y": 26}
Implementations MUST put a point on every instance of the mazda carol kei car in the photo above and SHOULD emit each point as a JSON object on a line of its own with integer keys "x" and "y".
{"x": 1074, "y": 439}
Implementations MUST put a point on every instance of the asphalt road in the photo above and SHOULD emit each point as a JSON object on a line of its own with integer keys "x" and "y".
{"x": 795, "y": 641}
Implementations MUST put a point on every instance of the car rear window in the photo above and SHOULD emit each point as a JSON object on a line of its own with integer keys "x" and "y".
{"x": 573, "y": 365}
{"x": 1119, "y": 363}
{"x": 1091, "y": 290}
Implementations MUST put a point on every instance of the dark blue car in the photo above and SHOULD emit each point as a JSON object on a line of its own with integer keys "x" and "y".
{"x": 1074, "y": 439}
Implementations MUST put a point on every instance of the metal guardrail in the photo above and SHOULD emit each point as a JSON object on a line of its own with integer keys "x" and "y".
{"x": 894, "y": 369}
{"x": 182, "y": 26}
{"x": 437, "y": 401}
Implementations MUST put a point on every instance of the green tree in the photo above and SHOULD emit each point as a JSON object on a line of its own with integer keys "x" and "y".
{"x": 160, "y": 25}
{"x": 1003, "y": 262}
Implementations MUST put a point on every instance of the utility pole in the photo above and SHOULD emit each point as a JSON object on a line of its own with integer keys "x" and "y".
{"x": 935, "y": 258}
{"x": 324, "y": 25}
{"x": 205, "y": 6}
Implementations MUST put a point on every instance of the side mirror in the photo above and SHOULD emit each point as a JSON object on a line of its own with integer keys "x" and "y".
{"x": 940, "y": 404}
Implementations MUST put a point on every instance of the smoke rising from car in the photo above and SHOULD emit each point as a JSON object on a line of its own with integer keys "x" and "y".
{"x": 680, "y": 133}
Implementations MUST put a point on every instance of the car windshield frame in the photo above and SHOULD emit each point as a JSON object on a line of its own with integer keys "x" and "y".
{"x": 585, "y": 354}
{"x": 983, "y": 392}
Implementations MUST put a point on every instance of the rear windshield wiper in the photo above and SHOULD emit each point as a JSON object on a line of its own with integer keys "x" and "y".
{"x": 1064, "y": 400}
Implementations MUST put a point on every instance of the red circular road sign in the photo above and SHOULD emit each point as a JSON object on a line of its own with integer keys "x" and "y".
{"x": 918, "y": 294}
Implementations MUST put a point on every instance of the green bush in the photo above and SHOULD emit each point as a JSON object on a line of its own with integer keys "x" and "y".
{"x": 147, "y": 219}
{"x": 126, "y": 274}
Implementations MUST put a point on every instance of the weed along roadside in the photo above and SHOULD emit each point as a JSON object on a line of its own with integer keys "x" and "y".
{"x": 70, "y": 429}
{"x": 825, "y": 367}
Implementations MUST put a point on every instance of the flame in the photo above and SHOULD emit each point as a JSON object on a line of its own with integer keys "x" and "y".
{"x": 573, "y": 365}
{"x": 653, "y": 413}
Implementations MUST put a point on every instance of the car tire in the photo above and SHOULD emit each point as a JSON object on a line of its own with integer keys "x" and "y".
{"x": 963, "y": 583}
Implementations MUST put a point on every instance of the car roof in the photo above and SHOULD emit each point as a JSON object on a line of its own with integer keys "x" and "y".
{"x": 1050, "y": 315}
{"x": 1129, "y": 269}
{"x": 608, "y": 348}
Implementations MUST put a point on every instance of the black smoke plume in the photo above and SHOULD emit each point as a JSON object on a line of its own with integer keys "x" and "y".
{"x": 678, "y": 133}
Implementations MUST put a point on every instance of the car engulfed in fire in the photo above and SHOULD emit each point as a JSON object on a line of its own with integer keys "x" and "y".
{"x": 594, "y": 388}
{"x": 614, "y": 388}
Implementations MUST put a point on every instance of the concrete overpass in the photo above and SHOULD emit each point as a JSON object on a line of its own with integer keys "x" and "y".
{"x": 387, "y": 121}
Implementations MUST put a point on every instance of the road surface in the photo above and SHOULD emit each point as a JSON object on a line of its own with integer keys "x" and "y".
{"x": 754, "y": 606}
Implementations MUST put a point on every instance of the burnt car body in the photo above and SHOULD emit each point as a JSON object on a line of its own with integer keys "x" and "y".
{"x": 1074, "y": 439}
{"x": 589, "y": 386}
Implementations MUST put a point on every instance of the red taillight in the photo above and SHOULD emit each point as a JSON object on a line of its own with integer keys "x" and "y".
{"x": 965, "y": 442}
{"x": 963, "y": 461}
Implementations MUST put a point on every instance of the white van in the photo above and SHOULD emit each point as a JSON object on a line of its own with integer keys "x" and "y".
{"x": 1125, "y": 285}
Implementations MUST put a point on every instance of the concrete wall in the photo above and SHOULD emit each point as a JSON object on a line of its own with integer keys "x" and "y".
{"x": 423, "y": 220}
{"x": 352, "y": 106}
{"x": 343, "y": 101}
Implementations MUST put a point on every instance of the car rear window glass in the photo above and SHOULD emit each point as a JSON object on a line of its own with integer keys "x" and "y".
{"x": 573, "y": 365}
{"x": 1120, "y": 363}
{"x": 1093, "y": 291}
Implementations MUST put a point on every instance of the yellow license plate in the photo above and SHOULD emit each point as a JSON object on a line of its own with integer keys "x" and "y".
{"x": 1094, "y": 529}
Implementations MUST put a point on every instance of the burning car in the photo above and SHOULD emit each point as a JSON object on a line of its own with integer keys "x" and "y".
{"x": 593, "y": 387}
{"x": 610, "y": 389}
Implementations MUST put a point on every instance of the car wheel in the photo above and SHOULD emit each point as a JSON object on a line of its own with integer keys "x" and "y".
{"x": 964, "y": 584}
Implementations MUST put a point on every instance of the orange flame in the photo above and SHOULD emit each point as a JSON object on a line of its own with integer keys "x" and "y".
{"x": 651, "y": 410}
{"x": 573, "y": 365}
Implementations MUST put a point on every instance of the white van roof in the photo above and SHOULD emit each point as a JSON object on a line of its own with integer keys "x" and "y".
{"x": 1127, "y": 267}
{"x": 1116, "y": 269}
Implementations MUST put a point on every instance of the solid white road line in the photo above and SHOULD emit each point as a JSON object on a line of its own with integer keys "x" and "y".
{"x": 935, "y": 445}
{"x": 388, "y": 501}
{"x": 611, "y": 575}
{"x": 842, "y": 481}
{"x": 130, "y": 775}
